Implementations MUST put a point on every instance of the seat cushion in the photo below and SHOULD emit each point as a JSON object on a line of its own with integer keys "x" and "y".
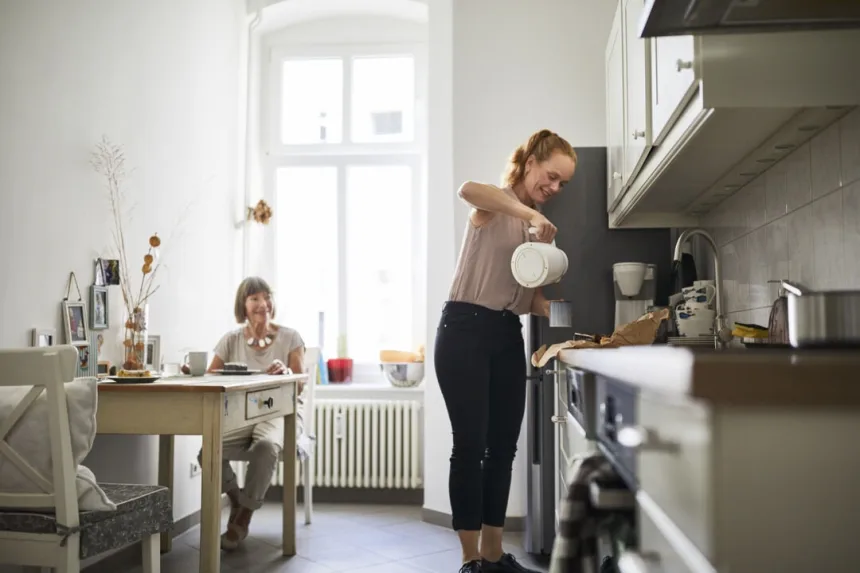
{"x": 141, "y": 510}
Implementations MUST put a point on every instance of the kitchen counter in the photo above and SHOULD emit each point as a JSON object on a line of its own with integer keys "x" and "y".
{"x": 738, "y": 377}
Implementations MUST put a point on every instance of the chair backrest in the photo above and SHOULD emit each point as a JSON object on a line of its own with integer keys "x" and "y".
{"x": 312, "y": 362}
{"x": 44, "y": 369}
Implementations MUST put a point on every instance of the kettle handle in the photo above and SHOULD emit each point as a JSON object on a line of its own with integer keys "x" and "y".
{"x": 533, "y": 231}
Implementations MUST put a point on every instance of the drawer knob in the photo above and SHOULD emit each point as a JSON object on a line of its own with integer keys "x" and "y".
{"x": 638, "y": 134}
{"x": 682, "y": 65}
{"x": 616, "y": 176}
{"x": 645, "y": 439}
{"x": 269, "y": 402}
{"x": 559, "y": 419}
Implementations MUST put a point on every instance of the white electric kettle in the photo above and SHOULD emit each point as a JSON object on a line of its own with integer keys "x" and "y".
{"x": 537, "y": 264}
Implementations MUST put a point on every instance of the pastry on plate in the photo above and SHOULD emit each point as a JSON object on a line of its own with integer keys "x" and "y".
{"x": 135, "y": 374}
{"x": 235, "y": 367}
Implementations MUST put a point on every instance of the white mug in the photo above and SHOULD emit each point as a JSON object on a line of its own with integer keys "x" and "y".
{"x": 704, "y": 293}
{"x": 197, "y": 362}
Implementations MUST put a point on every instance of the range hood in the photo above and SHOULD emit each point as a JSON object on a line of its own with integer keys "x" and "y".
{"x": 700, "y": 17}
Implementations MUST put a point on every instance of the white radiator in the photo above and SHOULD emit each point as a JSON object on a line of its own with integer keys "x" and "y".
{"x": 364, "y": 444}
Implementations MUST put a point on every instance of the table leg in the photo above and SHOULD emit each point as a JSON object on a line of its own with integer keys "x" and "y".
{"x": 165, "y": 478}
{"x": 210, "y": 503}
{"x": 289, "y": 492}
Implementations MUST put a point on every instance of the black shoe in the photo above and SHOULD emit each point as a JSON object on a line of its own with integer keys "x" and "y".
{"x": 471, "y": 567}
{"x": 507, "y": 564}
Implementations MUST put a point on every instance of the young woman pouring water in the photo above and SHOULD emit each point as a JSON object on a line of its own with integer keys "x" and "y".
{"x": 479, "y": 352}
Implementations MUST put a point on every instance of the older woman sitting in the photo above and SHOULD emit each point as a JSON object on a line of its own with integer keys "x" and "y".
{"x": 268, "y": 347}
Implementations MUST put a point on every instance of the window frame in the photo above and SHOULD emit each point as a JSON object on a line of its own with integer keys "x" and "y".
{"x": 343, "y": 155}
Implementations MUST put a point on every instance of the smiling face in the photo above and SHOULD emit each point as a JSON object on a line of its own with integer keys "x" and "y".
{"x": 258, "y": 307}
{"x": 545, "y": 179}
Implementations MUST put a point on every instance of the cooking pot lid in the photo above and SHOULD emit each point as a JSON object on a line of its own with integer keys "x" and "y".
{"x": 529, "y": 267}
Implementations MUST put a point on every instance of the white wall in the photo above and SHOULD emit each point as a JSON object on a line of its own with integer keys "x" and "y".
{"x": 159, "y": 77}
{"x": 499, "y": 70}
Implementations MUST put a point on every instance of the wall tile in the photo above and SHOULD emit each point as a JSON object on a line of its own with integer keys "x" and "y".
{"x": 800, "y": 247}
{"x": 826, "y": 175}
{"x": 755, "y": 203}
{"x": 828, "y": 241}
{"x": 776, "y": 256}
{"x": 798, "y": 178}
{"x": 730, "y": 270}
{"x": 849, "y": 131}
{"x": 851, "y": 234}
{"x": 775, "y": 191}
{"x": 756, "y": 260}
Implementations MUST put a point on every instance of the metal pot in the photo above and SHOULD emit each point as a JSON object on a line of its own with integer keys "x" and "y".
{"x": 560, "y": 314}
{"x": 822, "y": 318}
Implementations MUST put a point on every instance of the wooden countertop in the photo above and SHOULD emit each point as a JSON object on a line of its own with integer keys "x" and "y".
{"x": 206, "y": 383}
{"x": 766, "y": 377}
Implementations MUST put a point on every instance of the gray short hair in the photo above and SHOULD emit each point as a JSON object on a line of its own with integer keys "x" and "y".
{"x": 249, "y": 287}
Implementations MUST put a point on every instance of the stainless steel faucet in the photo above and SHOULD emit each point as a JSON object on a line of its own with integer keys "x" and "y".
{"x": 722, "y": 332}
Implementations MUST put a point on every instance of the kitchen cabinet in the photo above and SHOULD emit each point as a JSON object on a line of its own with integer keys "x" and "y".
{"x": 693, "y": 119}
{"x": 615, "y": 111}
{"x": 673, "y": 80}
{"x": 637, "y": 91}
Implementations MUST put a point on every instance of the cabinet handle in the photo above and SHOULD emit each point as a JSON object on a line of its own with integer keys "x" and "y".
{"x": 682, "y": 65}
{"x": 638, "y": 134}
{"x": 551, "y": 372}
{"x": 643, "y": 439}
{"x": 559, "y": 419}
{"x": 616, "y": 175}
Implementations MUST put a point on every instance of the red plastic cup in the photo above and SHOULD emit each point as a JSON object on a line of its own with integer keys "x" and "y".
{"x": 339, "y": 370}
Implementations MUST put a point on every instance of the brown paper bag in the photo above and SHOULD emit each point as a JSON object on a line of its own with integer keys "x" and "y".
{"x": 642, "y": 331}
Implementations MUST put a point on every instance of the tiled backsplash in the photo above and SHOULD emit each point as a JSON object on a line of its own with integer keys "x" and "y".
{"x": 799, "y": 220}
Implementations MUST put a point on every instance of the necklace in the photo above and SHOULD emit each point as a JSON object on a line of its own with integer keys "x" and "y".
{"x": 261, "y": 343}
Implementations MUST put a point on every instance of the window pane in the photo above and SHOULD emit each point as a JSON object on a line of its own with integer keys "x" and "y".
{"x": 312, "y": 101}
{"x": 379, "y": 260}
{"x": 306, "y": 252}
{"x": 383, "y": 99}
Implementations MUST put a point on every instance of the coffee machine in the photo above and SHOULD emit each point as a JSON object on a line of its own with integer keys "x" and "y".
{"x": 635, "y": 290}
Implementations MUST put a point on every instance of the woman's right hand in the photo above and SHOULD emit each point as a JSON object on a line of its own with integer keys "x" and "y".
{"x": 544, "y": 230}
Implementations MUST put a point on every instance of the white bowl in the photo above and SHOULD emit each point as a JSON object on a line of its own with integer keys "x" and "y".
{"x": 629, "y": 277}
{"x": 695, "y": 326}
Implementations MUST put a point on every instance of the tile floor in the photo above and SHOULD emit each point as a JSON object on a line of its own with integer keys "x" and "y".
{"x": 346, "y": 538}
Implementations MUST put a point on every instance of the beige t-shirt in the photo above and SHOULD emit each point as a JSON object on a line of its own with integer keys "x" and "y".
{"x": 483, "y": 274}
{"x": 233, "y": 347}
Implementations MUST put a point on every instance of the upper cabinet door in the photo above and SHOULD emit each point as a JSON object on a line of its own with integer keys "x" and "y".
{"x": 638, "y": 88}
{"x": 673, "y": 75}
{"x": 615, "y": 139}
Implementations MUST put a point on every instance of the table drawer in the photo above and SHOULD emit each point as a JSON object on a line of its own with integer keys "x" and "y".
{"x": 675, "y": 464}
{"x": 269, "y": 401}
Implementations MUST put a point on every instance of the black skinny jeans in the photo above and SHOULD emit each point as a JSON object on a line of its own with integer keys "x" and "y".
{"x": 480, "y": 364}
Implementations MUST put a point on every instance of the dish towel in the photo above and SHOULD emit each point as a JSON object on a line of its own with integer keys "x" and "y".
{"x": 575, "y": 546}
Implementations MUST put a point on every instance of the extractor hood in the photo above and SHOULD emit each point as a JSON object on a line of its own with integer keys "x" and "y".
{"x": 698, "y": 17}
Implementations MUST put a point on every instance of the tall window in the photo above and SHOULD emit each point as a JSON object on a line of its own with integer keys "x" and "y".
{"x": 344, "y": 173}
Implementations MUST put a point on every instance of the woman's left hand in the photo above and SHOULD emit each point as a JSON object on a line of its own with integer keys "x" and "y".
{"x": 277, "y": 367}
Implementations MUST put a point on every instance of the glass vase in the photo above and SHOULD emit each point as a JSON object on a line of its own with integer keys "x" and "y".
{"x": 135, "y": 339}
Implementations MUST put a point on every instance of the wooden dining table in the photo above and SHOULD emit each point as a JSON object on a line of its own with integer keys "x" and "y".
{"x": 207, "y": 406}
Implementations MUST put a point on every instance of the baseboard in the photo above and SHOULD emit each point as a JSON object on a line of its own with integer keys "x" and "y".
{"x": 130, "y": 556}
{"x": 355, "y": 495}
{"x": 443, "y": 519}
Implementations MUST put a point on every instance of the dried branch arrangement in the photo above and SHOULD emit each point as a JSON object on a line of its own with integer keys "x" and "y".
{"x": 108, "y": 160}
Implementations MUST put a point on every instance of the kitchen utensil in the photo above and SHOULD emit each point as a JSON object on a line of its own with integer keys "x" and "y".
{"x": 560, "y": 313}
{"x": 822, "y": 318}
{"x": 629, "y": 277}
{"x": 403, "y": 374}
{"x": 536, "y": 264}
{"x": 197, "y": 362}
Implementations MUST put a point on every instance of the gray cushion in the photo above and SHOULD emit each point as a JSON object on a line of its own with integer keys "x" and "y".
{"x": 141, "y": 510}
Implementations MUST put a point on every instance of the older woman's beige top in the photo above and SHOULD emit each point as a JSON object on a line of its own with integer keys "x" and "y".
{"x": 483, "y": 274}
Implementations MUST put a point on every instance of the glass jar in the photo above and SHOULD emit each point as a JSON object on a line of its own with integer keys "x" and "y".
{"x": 135, "y": 339}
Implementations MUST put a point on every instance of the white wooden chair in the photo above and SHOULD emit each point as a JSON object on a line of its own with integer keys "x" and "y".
{"x": 308, "y": 409}
{"x": 37, "y": 538}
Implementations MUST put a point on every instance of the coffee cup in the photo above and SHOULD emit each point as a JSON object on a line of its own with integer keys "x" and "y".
{"x": 197, "y": 363}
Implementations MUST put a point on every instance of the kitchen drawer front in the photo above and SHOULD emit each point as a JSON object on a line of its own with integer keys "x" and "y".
{"x": 657, "y": 550}
{"x": 271, "y": 400}
{"x": 673, "y": 77}
{"x": 674, "y": 464}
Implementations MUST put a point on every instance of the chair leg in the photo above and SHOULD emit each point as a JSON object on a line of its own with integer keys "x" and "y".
{"x": 151, "y": 545}
{"x": 70, "y": 558}
{"x": 308, "y": 491}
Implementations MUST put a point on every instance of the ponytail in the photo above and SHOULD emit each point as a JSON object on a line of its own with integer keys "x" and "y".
{"x": 542, "y": 144}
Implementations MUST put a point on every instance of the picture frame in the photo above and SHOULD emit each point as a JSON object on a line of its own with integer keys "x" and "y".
{"x": 42, "y": 337}
{"x": 103, "y": 369}
{"x": 100, "y": 310}
{"x": 99, "y": 279}
{"x": 110, "y": 268}
{"x": 152, "y": 356}
{"x": 75, "y": 322}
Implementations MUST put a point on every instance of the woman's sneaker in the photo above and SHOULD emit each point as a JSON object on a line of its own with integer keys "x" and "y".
{"x": 507, "y": 564}
{"x": 471, "y": 567}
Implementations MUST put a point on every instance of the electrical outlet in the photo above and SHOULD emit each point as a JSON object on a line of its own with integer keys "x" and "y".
{"x": 196, "y": 470}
